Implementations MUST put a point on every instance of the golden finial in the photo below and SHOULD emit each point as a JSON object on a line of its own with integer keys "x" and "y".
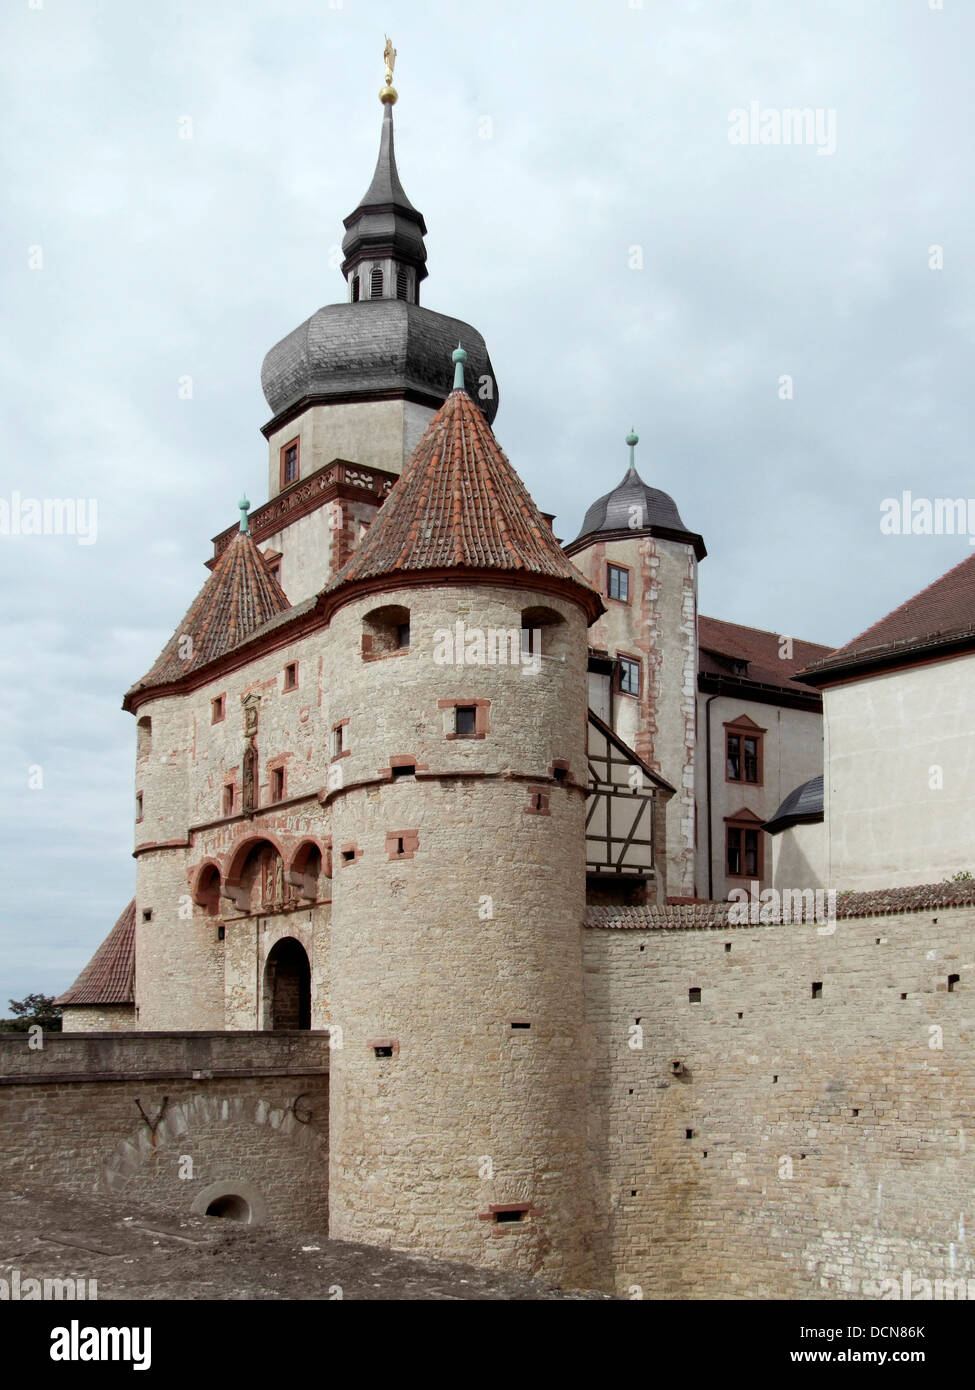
{"x": 389, "y": 94}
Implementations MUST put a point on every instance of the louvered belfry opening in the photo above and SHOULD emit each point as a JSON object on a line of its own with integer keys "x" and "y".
{"x": 376, "y": 282}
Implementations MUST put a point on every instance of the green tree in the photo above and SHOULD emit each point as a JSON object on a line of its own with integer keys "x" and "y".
{"x": 36, "y": 1008}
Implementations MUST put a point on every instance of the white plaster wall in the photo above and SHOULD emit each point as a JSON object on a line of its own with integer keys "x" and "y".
{"x": 792, "y": 753}
{"x": 799, "y": 856}
{"x": 900, "y": 790}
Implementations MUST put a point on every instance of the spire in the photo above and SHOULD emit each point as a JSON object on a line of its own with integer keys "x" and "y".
{"x": 245, "y": 521}
{"x": 459, "y": 357}
{"x": 385, "y": 257}
{"x": 633, "y": 440}
{"x": 459, "y": 507}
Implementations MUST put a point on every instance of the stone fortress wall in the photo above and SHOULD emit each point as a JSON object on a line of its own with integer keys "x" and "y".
{"x": 775, "y": 1140}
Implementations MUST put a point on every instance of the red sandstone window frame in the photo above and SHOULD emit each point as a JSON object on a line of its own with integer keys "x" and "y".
{"x": 290, "y": 681}
{"x": 402, "y": 844}
{"x": 482, "y": 720}
{"x": 295, "y": 444}
{"x": 739, "y": 828}
{"x": 625, "y": 572}
{"x": 218, "y": 709}
{"x": 629, "y": 659}
{"x": 277, "y": 782}
{"x": 337, "y": 741}
{"x": 742, "y": 729}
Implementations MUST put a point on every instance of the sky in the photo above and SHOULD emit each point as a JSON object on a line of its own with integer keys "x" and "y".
{"x": 610, "y": 200}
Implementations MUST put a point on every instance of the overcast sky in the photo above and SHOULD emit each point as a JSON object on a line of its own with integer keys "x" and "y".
{"x": 552, "y": 148}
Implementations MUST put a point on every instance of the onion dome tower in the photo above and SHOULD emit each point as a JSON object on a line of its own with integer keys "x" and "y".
{"x": 380, "y": 349}
{"x": 636, "y": 550}
{"x": 458, "y": 678}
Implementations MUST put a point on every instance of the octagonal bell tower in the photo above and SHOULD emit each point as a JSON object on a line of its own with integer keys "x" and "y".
{"x": 457, "y": 790}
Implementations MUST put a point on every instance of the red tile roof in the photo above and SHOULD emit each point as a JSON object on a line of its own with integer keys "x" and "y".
{"x": 711, "y": 916}
{"x": 459, "y": 505}
{"x": 759, "y": 649}
{"x": 240, "y": 596}
{"x": 942, "y": 613}
{"x": 109, "y": 977}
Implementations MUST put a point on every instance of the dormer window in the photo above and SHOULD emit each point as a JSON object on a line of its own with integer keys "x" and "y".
{"x": 376, "y": 282}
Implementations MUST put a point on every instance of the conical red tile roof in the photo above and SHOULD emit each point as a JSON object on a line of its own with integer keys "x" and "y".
{"x": 459, "y": 505}
{"x": 109, "y": 977}
{"x": 239, "y": 597}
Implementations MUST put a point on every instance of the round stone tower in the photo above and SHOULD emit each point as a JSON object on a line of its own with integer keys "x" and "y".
{"x": 457, "y": 783}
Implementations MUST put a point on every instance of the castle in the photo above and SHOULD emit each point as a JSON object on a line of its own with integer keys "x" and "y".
{"x": 416, "y": 778}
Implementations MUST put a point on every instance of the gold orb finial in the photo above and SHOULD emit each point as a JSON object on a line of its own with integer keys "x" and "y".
{"x": 388, "y": 94}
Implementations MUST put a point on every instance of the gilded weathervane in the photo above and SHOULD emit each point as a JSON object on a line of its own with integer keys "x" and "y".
{"x": 388, "y": 93}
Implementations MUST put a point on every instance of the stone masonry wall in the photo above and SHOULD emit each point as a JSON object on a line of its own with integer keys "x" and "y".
{"x": 806, "y": 1147}
{"x": 239, "y": 1113}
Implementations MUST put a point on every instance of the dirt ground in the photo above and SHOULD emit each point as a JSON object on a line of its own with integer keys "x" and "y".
{"x": 136, "y": 1251}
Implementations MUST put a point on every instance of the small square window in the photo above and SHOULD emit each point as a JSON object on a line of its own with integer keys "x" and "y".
{"x": 218, "y": 709}
{"x": 147, "y": 914}
{"x": 291, "y": 676}
{"x": 618, "y": 583}
{"x": 277, "y": 783}
{"x": 404, "y": 770}
{"x": 465, "y": 720}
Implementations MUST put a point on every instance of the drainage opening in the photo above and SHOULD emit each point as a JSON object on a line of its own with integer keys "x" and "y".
{"x": 230, "y": 1207}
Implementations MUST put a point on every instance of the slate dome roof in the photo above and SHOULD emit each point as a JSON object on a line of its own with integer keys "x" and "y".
{"x": 374, "y": 348}
{"x": 658, "y": 511}
{"x": 804, "y": 803}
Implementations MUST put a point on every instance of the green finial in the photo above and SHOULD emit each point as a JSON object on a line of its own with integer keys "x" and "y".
{"x": 245, "y": 507}
{"x": 633, "y": 440}
{"x": 459, "y": 357}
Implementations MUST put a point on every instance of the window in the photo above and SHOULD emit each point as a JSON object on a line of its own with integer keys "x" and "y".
{"x": 403, "y": 770}
{"x": 385, "y": 632}
{"x": 402, "y": 282}
{"x": 277, "y": 783}
{"x": 138, "y": 805}
{"x": 628, "y": 676}
{"x": 218, "y": 709}
{"x": 291, "y": 676}
{"x": 402, "y": 844}
{"x": 143, "y": 737}
{"x": 228, "y": 799}
{"x": 743, "y": 751}
{"x": 618, "y": 583}
{"x": 465, "y": 718}
{"x": 355, "y": 289}
{"x": 376, "y": 282}
{"x": 744, "y": 851}
{"x": 289, "y": 462}
{"x": 339, "y": 743}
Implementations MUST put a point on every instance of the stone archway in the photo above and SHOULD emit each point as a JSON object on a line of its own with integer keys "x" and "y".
{"x": 287, "y": 986}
